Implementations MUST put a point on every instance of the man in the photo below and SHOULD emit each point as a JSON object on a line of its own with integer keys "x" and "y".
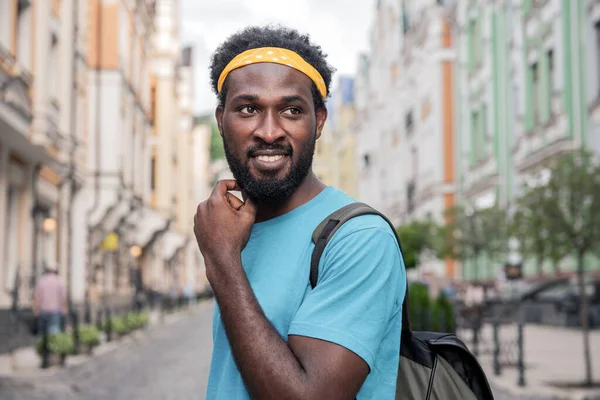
{"x": 274, "y": 336}
{"x": 50, "y": 301}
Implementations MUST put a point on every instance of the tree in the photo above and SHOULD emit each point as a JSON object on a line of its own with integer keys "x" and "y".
{"x": 216, "y": 143}
{"x": 416, "y": 237}
{"x": 570, "y": 203}
{"x": 473, "y": 234}
{"x": 534, "y": 232}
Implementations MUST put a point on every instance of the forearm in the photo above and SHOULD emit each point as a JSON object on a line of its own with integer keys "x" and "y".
{"x": 267, "y": 365}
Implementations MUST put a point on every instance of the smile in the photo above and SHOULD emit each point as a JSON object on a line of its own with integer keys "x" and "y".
{"x": 269, "y": 159}
{"x": 269, "y": 163}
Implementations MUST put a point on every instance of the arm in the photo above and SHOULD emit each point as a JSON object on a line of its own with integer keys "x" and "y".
{"x": 306, "y": 368}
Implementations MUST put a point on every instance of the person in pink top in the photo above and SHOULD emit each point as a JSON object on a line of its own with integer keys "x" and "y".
{"x": 50, "y": 301}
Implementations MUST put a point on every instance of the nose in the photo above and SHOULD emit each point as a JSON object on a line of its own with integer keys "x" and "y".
{"x": 269, "y": 129}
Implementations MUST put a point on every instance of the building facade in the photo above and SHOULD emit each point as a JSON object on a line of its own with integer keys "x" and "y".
{"x": 42, "y": 143}
{"x": 172, "y": 264}
{"x": 96, "y": 151}
{"x": 406, "y": 116}
{"x": 528, "y": 91}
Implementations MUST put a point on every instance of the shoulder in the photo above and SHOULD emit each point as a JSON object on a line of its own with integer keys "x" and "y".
{"x": 365, "y": 228}
{"x": 366, "y": 237}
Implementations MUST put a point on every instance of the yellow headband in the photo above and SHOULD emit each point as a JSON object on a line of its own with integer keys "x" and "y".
{"x": 274, "y": 55}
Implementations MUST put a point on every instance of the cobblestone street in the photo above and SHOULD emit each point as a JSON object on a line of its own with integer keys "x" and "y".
{"x": 170, "y": 363}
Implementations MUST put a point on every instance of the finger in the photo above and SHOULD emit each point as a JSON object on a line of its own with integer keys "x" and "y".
{"x": 234, "y": 201}
{"x": 226, "y": 185}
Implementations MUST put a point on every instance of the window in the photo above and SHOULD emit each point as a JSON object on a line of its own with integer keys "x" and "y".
{"x": 471, "y": 32}
{"x": 408, "y": 122}
{"x": 535, "y": 88}
{"x": 415, "y": 162}
{"x": 484, "y": 126}
{"x": 475, "y": 137}
{"x": 597, "y": 31}
{"x": 549, "y": 83}
{"x": 153, "y": 173}
{"x": 23, "y": 33}
{"x": 52, "y": 68}
{"x": 5, "y": 37}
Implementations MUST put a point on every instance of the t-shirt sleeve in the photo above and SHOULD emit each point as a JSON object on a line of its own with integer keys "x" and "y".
{"x": 360, "y": 289}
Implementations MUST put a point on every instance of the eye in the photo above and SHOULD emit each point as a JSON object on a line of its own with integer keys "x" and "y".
{"x": 248, "y": 110}
{"x": 293, "y": 111}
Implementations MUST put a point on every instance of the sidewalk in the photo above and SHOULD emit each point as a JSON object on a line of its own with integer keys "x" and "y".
{"x": 551, "y": 355}
{"x": 24, "y": 362}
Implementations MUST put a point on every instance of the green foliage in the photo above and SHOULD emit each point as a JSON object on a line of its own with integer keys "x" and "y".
{"x": 126, "y": 323}
{"x": 60, "y": 343}
{"x": 137, "y": 320}
{"x": 216, "y": 143}
{"x": 474, "y": 233}
{"x": 416, "y": 237}
{"x": 419, "y": 306}
{"x": 89, "y": 335}
{"x": 425, "y": 315}
{"x": 119, "y": 325}
{"x": 442, "y": 315}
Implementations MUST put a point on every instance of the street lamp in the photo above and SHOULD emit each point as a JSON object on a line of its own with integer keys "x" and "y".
{"x": 49, "y": 225}
{"x": 135, "y": 251}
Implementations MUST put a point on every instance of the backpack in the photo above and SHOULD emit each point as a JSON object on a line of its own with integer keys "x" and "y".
{"x": 433, "y": 366}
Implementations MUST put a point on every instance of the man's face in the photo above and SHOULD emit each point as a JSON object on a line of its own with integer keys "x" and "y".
{"x": 269, "y": 128}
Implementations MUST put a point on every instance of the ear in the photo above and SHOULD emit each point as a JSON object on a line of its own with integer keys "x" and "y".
{"x": 219, "y": 118}
{"x": 321, "y": 118}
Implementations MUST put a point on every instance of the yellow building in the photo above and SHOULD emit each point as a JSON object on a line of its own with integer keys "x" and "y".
{"x": 173, "y": 266}
{"x": 335, "y": 160}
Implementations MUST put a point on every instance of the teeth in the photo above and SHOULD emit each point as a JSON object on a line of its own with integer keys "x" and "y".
{"x": 269, "y": 158}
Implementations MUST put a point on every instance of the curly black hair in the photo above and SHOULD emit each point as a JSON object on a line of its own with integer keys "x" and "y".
{"x": 270, "y": 36}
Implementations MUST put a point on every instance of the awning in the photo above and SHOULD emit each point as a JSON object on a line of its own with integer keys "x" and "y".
{"x": 150, "y": 222}
{"x": 172, "y": 242}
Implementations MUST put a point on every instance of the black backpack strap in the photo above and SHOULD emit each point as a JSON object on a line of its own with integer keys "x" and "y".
{"x": 327, "y": 228}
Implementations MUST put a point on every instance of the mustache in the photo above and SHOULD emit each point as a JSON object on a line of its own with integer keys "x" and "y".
{"x": 266, "y": 147}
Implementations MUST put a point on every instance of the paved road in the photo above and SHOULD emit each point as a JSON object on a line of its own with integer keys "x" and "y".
{"x": 171, "y": 362}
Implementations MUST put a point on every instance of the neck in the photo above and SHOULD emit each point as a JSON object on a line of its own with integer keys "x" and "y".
{"x": 308, "y": 189}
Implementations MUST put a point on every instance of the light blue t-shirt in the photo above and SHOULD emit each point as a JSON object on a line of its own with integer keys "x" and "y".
{"x": 356, "y": 303}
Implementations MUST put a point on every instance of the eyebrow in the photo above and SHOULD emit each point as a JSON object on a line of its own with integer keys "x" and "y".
{"x": 284, "y": 99}
{"x": 246, "y": 97}
{"x": 294, "y": 98}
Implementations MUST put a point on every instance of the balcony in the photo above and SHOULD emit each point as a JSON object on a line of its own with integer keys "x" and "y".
{"x": 15, "y": 98}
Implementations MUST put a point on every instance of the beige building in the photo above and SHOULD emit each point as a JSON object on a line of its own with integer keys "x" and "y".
{"x": 335, "y": 159}
{"x": 173, "y": 263}
{"x": 114, "y": 204}
{"x": 42, "y": 140}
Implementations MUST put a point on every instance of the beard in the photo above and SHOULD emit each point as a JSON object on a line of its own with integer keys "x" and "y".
{"x": 271, "y": 189}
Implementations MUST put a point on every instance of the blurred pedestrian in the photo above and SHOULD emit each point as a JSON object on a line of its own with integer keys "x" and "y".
{"x": 50, "y": 301}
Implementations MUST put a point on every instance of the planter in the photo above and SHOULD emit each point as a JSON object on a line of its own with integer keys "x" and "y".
{"x": 54, "y": 360}
{"x": 85, "y": 348}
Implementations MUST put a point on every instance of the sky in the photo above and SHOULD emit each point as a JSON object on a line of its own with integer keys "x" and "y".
{"x": 340, "y": 27}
